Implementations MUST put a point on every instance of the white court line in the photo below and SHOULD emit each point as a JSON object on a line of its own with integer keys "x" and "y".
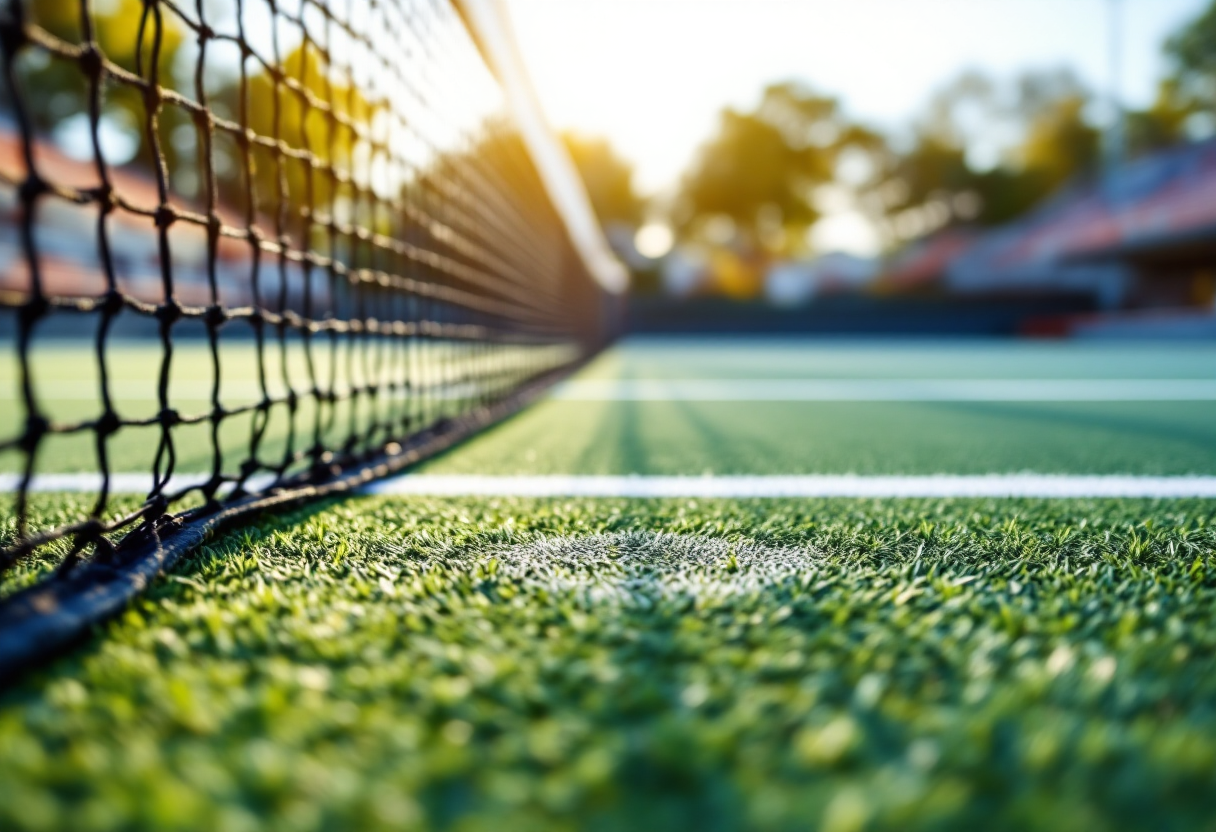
{"x": 889, "y": 390}
{"x": 808, "y": 485}
{"x": 803, "y": 485}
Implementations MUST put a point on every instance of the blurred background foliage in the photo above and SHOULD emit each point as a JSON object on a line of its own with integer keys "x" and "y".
{"x": 983, "y": 150}
{"x": 756, "y": 177}
{"x": 608, "y": 178}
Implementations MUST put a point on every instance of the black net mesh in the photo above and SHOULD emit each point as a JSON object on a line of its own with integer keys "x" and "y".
{"x": 248, "y": 244}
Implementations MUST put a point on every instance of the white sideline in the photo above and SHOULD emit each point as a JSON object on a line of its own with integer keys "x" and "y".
{"x": 804, "y": 485}
{"x": 808, "y": 485}
{"x": 889, "y": 390}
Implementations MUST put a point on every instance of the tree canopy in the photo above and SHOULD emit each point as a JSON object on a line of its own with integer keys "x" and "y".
{"x": 608, "y": 178}
{"x": 759, "y": 172}
{"x": 1192, "y": 55}
{"x": 56, "y": 90}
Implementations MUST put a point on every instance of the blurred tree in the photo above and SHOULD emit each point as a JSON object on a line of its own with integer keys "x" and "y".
{"x": 56, "y": 96}
{"x": 983, "y": 155}
{"x": 608, "y": 179}
{"x": 1167, "y": 121}
{"x": 1192, "y": 55}
{"x": 305, "y": 109}
{"x": 756, "y": 178}
{"x": 55, "y": 90}
{"x": 1185, "y": 106}
{"x": 962, "y": 110}
{"x": 1058, "y": 145}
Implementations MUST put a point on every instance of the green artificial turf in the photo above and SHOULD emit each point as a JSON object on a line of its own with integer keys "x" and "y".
{"x": 793, "y": 357}
{"x": 67, "y": 385}
{"x": 681, "y": 437}
{"x": 686, "y": 437}
{"x": 384, "y": 663}
{"x": 846, "y": 665}
{"x": 775, "y": 437}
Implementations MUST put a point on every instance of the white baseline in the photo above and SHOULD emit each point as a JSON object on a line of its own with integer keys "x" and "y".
{"x": 806, "y": 485}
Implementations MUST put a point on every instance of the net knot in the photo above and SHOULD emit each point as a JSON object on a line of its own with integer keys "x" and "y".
{"x": 169, "y": 311}
{"x": 112, "y": 303}
{"x": 157, "y": 504}
{"x": 92, "y": 63}
{"x": 165, "y": 216}
{"x": 90, "y": 531}
{"x": 32, "y": 188}
{"x": 36, "y": 427}
{"x": 35, "y": 309}
{"x": 152, "y": 96}
{"x": 169, "y": 417}
{"x": 215, "y": 316}
{"x": 104, "y": 196}
{"x": 108, "y": 424}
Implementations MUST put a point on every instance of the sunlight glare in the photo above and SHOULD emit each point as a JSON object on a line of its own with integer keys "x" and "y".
{"x": 653, "y": 240}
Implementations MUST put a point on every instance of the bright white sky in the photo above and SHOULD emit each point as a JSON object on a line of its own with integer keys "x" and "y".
{"x": 652, "y": 75}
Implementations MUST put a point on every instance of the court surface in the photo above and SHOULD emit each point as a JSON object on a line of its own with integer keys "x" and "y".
{"x": 965, "y": 431}
{"x": 758, "y": 407}
{"x": 489, "y": 662}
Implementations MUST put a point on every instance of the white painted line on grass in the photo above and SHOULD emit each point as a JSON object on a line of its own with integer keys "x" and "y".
{"x": 889, "y": 390}
{"x": 810, "y": 485}
{"x": 804, "y": 485}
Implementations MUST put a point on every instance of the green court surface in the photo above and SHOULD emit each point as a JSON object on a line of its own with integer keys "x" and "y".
{"x": 692, "y": 357}
{"x": 473, "y": 663}
{"x": 720, "y": 437}
{"x": 480, "y": 664}
{"x": 67, "y": 386}
{"x": 889, "y": 437}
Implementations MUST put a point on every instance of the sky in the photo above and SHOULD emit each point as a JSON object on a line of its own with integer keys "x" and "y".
{"x": 652, "y": 75}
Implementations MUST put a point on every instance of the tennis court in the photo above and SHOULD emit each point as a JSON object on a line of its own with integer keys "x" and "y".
{"x": 335, "y": 494}
{"x": 688, "y": 407}
{"x": 499, "y": 662}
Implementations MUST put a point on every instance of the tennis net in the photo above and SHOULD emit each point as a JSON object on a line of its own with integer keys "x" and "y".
{"x": 297, "y": 244}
